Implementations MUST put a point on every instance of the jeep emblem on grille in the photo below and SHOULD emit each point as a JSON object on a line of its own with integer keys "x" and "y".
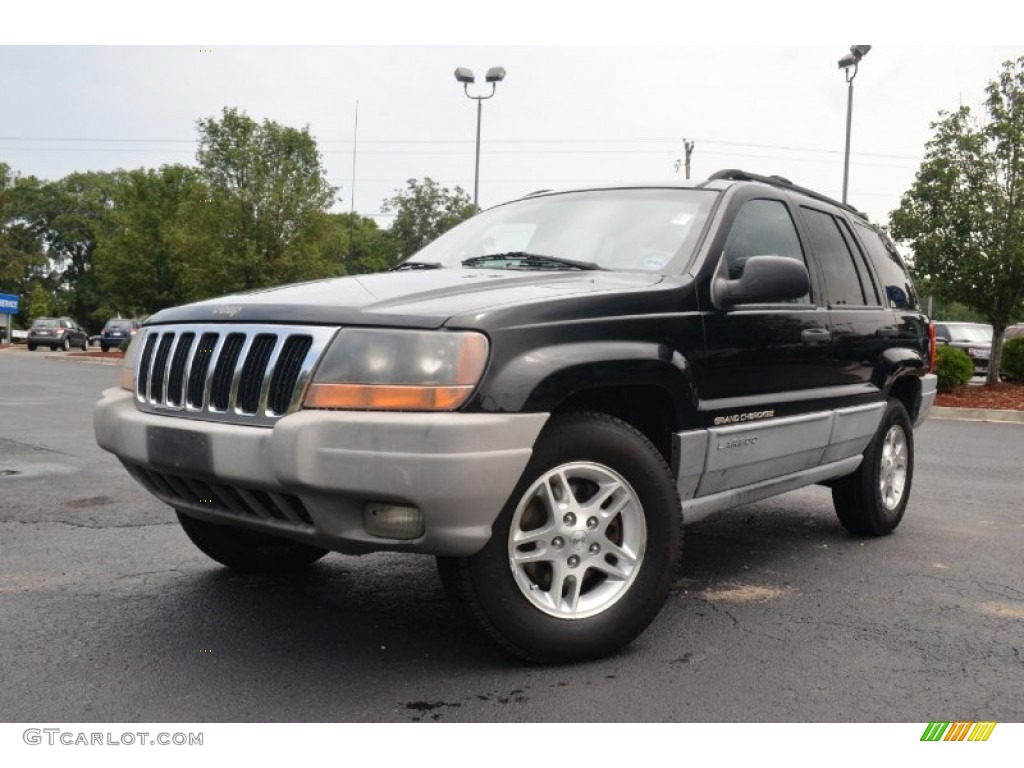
{"x": 229, "y": 310}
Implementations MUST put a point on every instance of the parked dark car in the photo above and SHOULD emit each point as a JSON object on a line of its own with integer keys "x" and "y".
{"x": 541, "y": 398}
{"x": 116, "y": 331}
{"x": 973, "y": 338}
{"x": 1013, "y": 332}
{"x": 54, "y": 332}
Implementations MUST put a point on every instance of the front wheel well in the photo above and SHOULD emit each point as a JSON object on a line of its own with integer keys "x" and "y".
{"x": 648, "y": 408}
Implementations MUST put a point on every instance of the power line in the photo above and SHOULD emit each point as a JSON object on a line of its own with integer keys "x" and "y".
{"x": 636, "y": 140}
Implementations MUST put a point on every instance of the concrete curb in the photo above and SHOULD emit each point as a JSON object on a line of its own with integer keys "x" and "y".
{"x": 87, "y": 360}
{"x": 976, "y": 414}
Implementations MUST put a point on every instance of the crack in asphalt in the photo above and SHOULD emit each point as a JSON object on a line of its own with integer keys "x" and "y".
{"x": 718, "y": 609}
{"x": 85, "y": 525}
{"x": 35, "y": 447}
{"x": 989, "y": 587}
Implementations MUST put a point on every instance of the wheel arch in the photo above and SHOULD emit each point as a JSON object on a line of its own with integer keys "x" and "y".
{"x": 647, "y": 385}
{"x": 907, "y": 389}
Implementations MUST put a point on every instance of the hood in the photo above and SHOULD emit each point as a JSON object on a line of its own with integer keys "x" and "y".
{"x": 415, "y": 298}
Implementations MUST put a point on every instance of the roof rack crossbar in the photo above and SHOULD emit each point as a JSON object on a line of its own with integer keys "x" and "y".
{"x": 734, "y": 174}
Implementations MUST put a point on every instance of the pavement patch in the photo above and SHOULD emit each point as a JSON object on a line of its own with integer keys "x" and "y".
{"x": 742, "y": 594}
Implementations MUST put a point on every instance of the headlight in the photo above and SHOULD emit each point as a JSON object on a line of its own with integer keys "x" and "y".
{"x": 128, "y": 364}
{"x": 398, "y": 370}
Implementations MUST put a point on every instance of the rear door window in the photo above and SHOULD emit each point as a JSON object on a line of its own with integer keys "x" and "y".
{"x": 891, "y": 271}
{"x": 844, "y": 282}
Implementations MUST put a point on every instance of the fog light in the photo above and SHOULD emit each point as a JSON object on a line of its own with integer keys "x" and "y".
{"x": 392, "y": 521}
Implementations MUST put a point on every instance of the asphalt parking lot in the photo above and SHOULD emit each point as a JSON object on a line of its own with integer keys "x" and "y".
{"x": 108, "y": 613}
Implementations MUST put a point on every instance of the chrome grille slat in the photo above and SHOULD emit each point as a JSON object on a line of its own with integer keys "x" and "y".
{"x": 142, "y": 373}
{"x": 241, "y": 374}
{"x": 210, "y": 368}
{"x": 269, "y": 372}
{"x": 174, "y": 392}
{"x": 225, "y": 377}
{"x": 197, "y": 370}
{"x": 305, "y": 374}
{"x": 286, "y": 374}
{"x": 249, "y": 377}
{"x": 156, "y": 376}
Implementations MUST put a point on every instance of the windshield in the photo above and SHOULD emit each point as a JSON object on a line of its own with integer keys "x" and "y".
{"x": 652, "y": 230}
{"x": 45, "y": 322}
{"x": 980, "y": 333}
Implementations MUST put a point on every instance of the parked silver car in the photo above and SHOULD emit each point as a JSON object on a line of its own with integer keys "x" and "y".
{"x": 973, "y": 338}
{"x": 54, "y": 332}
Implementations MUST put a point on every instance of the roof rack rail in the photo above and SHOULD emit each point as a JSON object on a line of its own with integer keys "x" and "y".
{"x": 734, "y": 174}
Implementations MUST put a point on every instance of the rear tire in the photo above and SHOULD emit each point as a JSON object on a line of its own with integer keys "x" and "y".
{"x": 582, "y": 556}
{"x": 248, "y": 551}
{"x": 104, "y": 347}
{"x": 66, "y": 344}
{"x": 31, "y": 347}
{"x": 872, "y": 500}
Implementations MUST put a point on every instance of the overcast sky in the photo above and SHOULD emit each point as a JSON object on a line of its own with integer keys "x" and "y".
{"x": 564, "y": 116}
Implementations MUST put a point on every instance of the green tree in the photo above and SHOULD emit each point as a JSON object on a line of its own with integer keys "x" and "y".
{"x": 964, "y": 214}
{"x": 355, "y": 245}
{"x": 22, "y": 261}
{"x": 138, "y": 260}
{"x": 425, "y": 210}
{"x": 255, "y": 224}
{"x": 39, "y": 301}
{"x": 66, "y": 216}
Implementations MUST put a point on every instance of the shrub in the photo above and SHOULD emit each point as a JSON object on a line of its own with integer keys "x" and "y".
{"x": 1013, "y": 358}
{"x": 954, "y": 367}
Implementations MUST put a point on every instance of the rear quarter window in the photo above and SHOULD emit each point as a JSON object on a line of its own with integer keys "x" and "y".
{"x": 892, "y": 272}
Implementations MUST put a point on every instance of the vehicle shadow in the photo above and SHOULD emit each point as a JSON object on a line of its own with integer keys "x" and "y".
{"x": 366, "y": 638}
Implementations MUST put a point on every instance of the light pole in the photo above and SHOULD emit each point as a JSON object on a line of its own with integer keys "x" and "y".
{"x": 465, "y": 76}
{"x": 849, "y": 64}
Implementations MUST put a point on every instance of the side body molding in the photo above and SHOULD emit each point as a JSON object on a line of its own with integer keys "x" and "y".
{"x": 725, "y": 466}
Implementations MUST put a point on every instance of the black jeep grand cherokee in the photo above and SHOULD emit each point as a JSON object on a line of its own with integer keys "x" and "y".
{"x": 541, "y": 397}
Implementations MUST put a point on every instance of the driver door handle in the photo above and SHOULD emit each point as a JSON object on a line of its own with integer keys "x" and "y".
{"x": 815, "y": 335}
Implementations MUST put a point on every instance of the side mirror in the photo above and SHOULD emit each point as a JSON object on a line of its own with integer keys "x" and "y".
{"x": 764, "y": 279}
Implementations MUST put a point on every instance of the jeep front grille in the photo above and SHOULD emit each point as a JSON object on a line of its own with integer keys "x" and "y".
{"x": 236, "y": 373}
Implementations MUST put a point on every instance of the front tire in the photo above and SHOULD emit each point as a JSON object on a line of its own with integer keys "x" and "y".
{"x": 31, "y": 347}
{"x": 104, "y": 347}
{"x": 582, "y": 556}
{"x": 248, "y": 551}
{"x": 872, "y": 500}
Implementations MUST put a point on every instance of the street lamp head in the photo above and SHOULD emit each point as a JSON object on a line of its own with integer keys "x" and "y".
{"x": 852, "y": 59}
{"x": 847, "y": 61}
{"x": 465, "y": 75}
{"x": 495, "y": 74}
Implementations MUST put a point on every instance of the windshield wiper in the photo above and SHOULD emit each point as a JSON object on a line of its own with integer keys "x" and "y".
{"x": 524, "y": 260}
{"x": 417, "y": 265}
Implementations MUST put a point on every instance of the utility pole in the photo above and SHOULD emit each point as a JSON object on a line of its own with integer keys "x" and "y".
{"x": 352, "y": 193}
{"x": 688, "y": 151}
{"x": 355, "y": 144}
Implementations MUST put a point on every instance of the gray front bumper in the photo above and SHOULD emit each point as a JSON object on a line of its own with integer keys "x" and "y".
{"x": 458, "y": 468}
